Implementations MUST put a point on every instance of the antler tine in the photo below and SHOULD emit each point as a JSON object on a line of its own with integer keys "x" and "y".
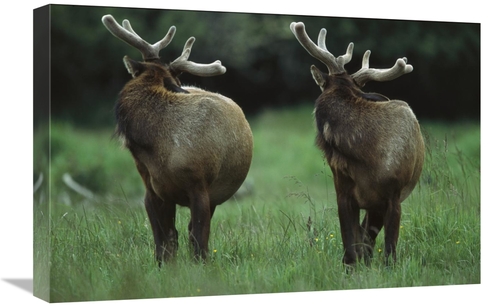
{"x": 298, "y": 29}
{"x": 341, "y": 60}
{"x": 165, "y": 40}
{"x": 320, "y": 52}
{"x": 365, "y": 74}
{"x": 346, "y": 58}
{"x": 126, "y": 24}
{"x": 161, "y": 43}
{"x": 322, "y": 39}
{"x": 128, "y": 35}
{"x": 181, "y": 64}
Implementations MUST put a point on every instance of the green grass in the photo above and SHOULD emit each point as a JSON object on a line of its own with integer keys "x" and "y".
{"x": 102, "y": 248}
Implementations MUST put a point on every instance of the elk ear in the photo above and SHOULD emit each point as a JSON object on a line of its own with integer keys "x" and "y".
{"x": 318, "y": 77}
{"x": 134, "y": 68}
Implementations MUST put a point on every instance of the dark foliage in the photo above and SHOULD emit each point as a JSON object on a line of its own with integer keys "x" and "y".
{"x": 266, "y": 66}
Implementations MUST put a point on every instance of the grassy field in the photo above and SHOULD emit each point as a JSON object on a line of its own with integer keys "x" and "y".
{"x": 101, "y": 247}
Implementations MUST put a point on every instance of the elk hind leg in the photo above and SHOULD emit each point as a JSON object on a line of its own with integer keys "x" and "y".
{"x": 371, "y": 226}
{"x": 349, "y": 226}
{"x": 392, "y": 221}
{"x": 162, "y": 218}
{"x": 199, "y": 226}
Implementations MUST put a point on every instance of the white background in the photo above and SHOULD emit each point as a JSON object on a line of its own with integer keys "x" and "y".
{"x": 16, "y": 118}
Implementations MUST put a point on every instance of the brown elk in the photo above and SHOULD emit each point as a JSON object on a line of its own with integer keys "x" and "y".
{"x": 372, "y": 144}
{"x": 191, "y": 147}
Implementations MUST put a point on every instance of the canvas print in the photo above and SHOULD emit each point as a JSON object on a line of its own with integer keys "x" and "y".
{"x": 188, "y": 153}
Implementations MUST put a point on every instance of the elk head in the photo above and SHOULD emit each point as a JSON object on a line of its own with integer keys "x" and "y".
{"x": 191, "y": 147}
{"x": 372, "y": 144}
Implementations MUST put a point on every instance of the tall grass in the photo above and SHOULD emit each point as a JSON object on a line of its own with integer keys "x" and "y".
{"x": 283, "y": 237}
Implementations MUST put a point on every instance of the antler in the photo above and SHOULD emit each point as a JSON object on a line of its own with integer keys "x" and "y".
{"x": 181, "y": 64}
{"x": 366, "y": 74}
{"x": 152, "y": 52}
{"x": 128, "y": 35}
{"x": 335, "y": 65}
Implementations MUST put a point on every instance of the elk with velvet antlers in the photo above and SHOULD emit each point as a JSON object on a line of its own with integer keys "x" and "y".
{"x": 191, "y": 147}
{"x": 372, "y": 144}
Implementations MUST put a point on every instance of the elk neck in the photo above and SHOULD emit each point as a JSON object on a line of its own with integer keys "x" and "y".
{"x": 154, "y": 77}
{"x": 340, "y": 114}
{"x": 340, "y": 102}
{"x": 143, "y": 103}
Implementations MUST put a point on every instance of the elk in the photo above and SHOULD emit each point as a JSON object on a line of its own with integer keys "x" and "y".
{"x": 372, "y": 144}
{"x": 191, "y": 147}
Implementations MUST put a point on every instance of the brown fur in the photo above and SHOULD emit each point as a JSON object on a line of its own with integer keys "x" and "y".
{"x": 191, "y": 147}
{"x": 375, "y": 151}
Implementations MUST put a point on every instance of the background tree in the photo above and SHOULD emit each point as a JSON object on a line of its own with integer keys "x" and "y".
{"x": 266, "y": 67}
